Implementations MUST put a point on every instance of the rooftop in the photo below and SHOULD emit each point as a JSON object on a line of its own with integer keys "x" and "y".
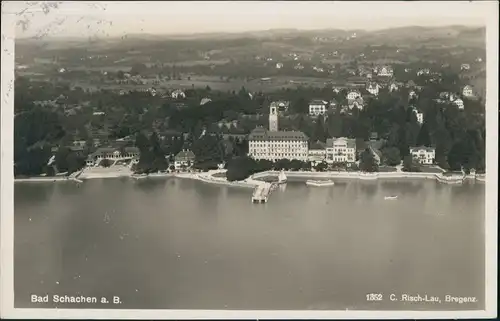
{"x": 317, "y": 102}
{"x": 419, "y": 148}
{"x": 317, "y": 145}
{"x": 351, "y": 142}
{"x": 111, "y": 150}
{"x": 262, "y": 134}
{"x": 185, "y": 155}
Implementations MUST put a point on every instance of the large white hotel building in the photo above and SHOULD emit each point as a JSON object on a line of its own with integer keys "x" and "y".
{"x": 340, "y": 150}
{"x": 274, "y": 144}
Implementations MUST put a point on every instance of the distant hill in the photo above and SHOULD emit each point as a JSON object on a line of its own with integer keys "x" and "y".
{"x": 409, "y": 36}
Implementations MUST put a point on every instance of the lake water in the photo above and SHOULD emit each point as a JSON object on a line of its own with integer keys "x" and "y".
{"x": 182, "y": 244}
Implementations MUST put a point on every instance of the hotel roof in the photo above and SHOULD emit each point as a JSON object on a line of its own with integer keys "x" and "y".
{"x": 262, "y": 134}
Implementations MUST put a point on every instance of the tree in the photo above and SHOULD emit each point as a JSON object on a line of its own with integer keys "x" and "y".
{"x": 209, "y": 150}
{"x": 367, "y": 162}
{"x": 402, "y": 141}
{"x": 319, "y": 131}
{"x": 74, "y": 162}
{"x": 138, "y": 69}
{"x": 243, "y": 92}
{"x": 62, "y": 159}
{"x": 391, "y": 156}
{"x": 296, "y": 165}
{"x": 300, "y": 106}
{"x": 410, "y": 164}
{"x": 105, "y": 162}
{"x": 240, "y": 168}
{"x": 321, "y": 167}
{"x": 142, "y": 142}
{"x": 282, "y": 164}
{"x": 423, "y": 138}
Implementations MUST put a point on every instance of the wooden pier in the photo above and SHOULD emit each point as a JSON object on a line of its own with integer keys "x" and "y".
{"x": 261, "y": 192}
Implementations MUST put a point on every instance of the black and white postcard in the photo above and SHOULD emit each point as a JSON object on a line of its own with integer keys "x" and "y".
{"x": 249, "y": 159}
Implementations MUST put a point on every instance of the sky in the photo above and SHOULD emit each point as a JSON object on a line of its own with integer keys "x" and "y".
{"x": 101, "y": 19}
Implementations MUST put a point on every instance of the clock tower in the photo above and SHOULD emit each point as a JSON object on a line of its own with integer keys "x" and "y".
{"x": 273, "y": 118}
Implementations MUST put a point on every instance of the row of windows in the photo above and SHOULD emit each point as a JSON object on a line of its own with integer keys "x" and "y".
{"x": 281, "y": 154}
{"x": 281, "y": 146}
{"x": 266, "y": 151}
{"x": 293, "y": 142}
{"x": 116, "y": 156}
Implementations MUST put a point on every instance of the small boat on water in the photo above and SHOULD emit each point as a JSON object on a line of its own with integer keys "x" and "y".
{"x": 282, "y": 178}
{"x": 320, "y": 183}
{"x": 389, "y": 198}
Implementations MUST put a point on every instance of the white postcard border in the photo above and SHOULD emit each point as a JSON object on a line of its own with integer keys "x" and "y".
{"x": 7, "y": 309}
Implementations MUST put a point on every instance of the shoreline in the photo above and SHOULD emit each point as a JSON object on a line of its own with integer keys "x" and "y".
{"x": 255, "y": 179}
{"x": 375, "y": 176}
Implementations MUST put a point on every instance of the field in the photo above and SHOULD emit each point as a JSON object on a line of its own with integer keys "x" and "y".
{"x": 215, "y": 83}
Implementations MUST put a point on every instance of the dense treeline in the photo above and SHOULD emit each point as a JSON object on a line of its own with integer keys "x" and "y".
{"x": 458, "y": 136}
{"x": 242, "y": 167}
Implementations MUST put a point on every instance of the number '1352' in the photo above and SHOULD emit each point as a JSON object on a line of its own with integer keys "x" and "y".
{"x": 374, "y": 297}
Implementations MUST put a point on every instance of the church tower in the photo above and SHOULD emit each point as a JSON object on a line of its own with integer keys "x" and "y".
{"x": 273, "y": 117}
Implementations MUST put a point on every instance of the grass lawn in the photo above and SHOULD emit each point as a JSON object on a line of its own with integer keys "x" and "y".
{"x": 427, "y": 169}
{"x": 219, "y": 175}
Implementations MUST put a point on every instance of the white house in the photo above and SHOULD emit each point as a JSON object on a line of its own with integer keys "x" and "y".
{"x": 385, "y": 71}
{"x": 447, "y": 96}
{"x": 393, "y": 87}
{"x": 425, "y": 71}
{"x": 152, "y": 91}
{"x": 204, "y": 101}
{"x": 317, "y": 107}
{"x": 340, "y": 150}
{"x": 459, "y": 103}
{"x": 279, "y": 65}
{"x": 424, "y": 155}
{"x": 353, "y": 95}
{"x": 176, "y": 94}
{"x": 184, "y": 158}
{"x": 467, "y": 91}
{"x": 275, "y": 145}
{"x": 298, "y": 66}
{"x": 373, "y": 89}
{"x": 419, "y": 115}
{"x": 282, "y": 105}
{"x": 358, "y": 102}
{"x": 465, "y": 67}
